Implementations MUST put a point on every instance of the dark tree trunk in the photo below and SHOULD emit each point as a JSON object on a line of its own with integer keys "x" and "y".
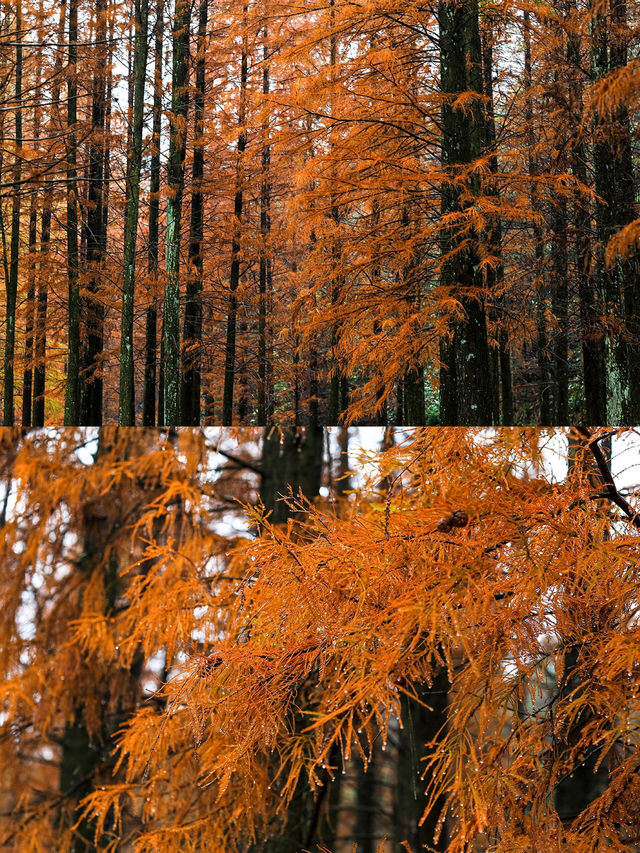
{"x": 501, "y": 374}
{"x": 72, "y": 391}
{"x": 175, "y": 182}
{"x": 151, "y": 344}
{"x": 27, "y": 377}
{"x": 234, "y": 275}
{"x": 92, "y": 304}
{"x": 420, "y": 725}
{"x": 192, "y": 337}
{"x": 542, "y": 346}
{"x": 265, "y": 391}
{"x": 39, "y": 370}
{"x": 11, "y": 282}
{"x": 126, "y": 406}
{"x": 465, "y": 395}
{"x": 618, "y": 278}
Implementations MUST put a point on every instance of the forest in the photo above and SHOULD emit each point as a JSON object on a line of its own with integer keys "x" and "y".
{"x": 382, "y": 640}
{"x": 383, "y": 212}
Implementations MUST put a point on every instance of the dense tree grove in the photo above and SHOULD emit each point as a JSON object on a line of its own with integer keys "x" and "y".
{"x": 267, "y": 642}
{"x": 258, "y": 213}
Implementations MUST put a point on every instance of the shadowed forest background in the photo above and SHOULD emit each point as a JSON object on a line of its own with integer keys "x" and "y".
{"x": 242, "y": 640}
{"x": 256, "y": 213}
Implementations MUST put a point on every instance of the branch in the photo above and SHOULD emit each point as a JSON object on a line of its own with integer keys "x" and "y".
{"x": 242, "y": 463}
{"x": 610, "y": 492}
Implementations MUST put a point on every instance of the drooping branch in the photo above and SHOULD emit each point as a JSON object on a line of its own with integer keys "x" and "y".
{"x": 610, "y": 491}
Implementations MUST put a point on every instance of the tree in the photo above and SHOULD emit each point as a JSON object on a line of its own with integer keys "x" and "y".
{"x": 390, "y": 214}
{"x": 192, "y": 336}
{"x": 175, "y": 183}
{"x": 106, "y": 517}
{"x": 465, "y": 562}
{"x": 126, "y": 413}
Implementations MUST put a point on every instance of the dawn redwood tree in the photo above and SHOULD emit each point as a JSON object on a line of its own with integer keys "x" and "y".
{"x": 463, "y": 555}
{"x": 424, "y": 195}
{"x": 91, "y": 520}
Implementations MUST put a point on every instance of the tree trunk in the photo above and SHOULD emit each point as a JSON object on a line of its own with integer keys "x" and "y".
{"x": 72, "y": 391}
{"x": 41, "y": 311}
{"x": 543, "y": 378}
{"x": 420, "y": 725}
{"x": 27, "y": 377}
{"x": 560, "y": 306}
{"x": 265, "y": 392}
{"x": 175, "y": 182}
{"x": 619, "y": 281}
{"x": 503, "y": 408}
{"x": 192, "y": 337}
{"x": 465, "y": 395}
{"x": 126, "y": 408}
{"x": 93, "y": 306}
{"x": 151, "y": 330}
{"x": 234, "y": 275}
{"x": 11, "y": 283}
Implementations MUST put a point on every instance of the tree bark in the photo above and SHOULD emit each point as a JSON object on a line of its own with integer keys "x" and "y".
{"x": 39, "y": 370}
{"x": 72, "y": 391}
{"x": 234, "y": 275}
{"x": 27, "y": 376}
{"x": 175, "y": 182}
{"x": 126, "y": 408}
{"x": 192, "y": 336}
{"x": 465, "y": 395}
{"x": 265, "y": 391}
{"x": 151, "y": 329}
{"x": 11, "y": 283}
{"x": 92, "y": 304}
{"x": 619, "y": 281}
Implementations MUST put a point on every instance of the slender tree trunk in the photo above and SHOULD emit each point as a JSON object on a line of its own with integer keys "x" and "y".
{"x": 265, "y": 393}
{"x": 41, "y": 310}
{"x": 126, "y": 409}
{"x": 151, "y": 330}
{"x": 337, "y": 379}
{"x": 591, "y": 312}
{"x": 560, "y": 306}
{"x": 421, "y": 724}
{"x": 40, "y": 343}
{"x": 175, "y": 181}
{"x": 465, "y": 395}
{"x": 543, "y": 378}
{"x": 27, "y": 376}
{"x": 72, "y": 391}
{"x": 192, "y": 337}
{"x": 234, "y": 275}
{"x": 503, "y": 412}
{"x": 619, "y": 280}
{"x": 11, "y": 283}
{"x": 93, "y": 306}
{"x": 590, "y": 776}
